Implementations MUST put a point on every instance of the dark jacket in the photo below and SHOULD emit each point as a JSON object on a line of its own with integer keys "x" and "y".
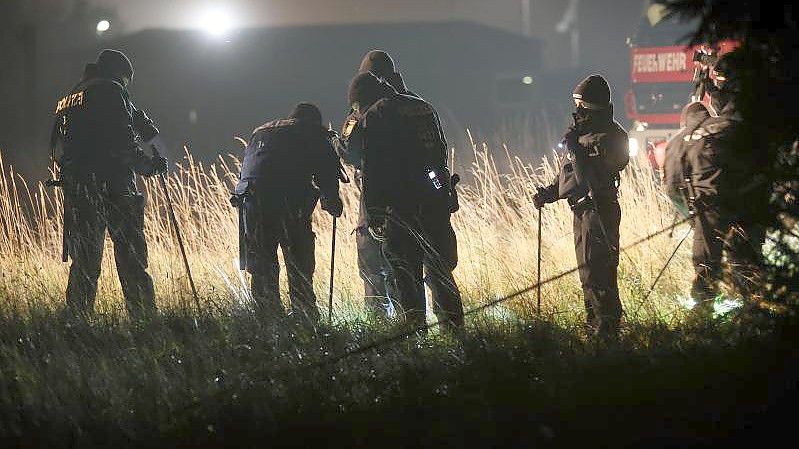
{"x": 94, "y": 127}
{"x": 687, "y": 156}
{"x": 705, "y": 154}
{"x": 350, "y": 149}
{"x": 597, "y": 153}
{"x": 724, "y": 164}
{"x": 286, "y": 161}
{"x": 402, "y": 144}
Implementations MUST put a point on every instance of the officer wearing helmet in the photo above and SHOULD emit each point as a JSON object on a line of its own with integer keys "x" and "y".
{"x": 289, "y": 165}
{"x": 406, "y": 196}
{"x": 94, "y": 127}
{"x": 588, "y": 180}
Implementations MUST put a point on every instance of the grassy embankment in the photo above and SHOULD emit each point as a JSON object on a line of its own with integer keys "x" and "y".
{"x": 225, "y": 375}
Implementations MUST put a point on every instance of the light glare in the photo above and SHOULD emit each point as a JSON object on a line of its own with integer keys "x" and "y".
{"x": 216, "y": 22}
{"x": 103, "y": 26}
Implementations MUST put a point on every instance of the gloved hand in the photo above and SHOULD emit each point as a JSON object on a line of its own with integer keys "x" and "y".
{"x": 333, "y": 206}
{"x": 331, "y": 134}
{"x": 159, "y": 164}
{"x": 454, "y": 203}
{"x": 571, "y": 138}
{"x": 542, "y": 197}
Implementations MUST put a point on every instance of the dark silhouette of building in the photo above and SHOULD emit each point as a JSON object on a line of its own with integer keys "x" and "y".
{"x": 202, "y": 91}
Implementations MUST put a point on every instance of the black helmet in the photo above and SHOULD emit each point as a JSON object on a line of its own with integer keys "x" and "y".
{"x": 307, "y": 113}
{"x": 366, "y": 89}
{"x": 378, "y": 62}
{"x": 594, "y": 92}
{"x": 114, "y": 64}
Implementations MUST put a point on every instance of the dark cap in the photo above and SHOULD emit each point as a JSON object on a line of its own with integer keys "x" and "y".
{"x": 378, "y": 62}
{"x": 366, "y": 88}
{"x": 115, "y": 64}
{"x": 307, "y": 112}
{"x": 594, "y": 92}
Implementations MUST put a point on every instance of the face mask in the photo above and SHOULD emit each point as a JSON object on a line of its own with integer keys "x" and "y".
{"x": 582, "y": 115}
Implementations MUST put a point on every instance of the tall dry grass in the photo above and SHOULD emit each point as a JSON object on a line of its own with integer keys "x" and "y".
{"x": 496, "y": 229}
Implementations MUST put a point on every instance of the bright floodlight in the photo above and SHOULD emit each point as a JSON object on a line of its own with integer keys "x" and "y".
{"x": 527, "y": 80}
{"x": 216, "y": 22}
{"x": 103, "y": 26}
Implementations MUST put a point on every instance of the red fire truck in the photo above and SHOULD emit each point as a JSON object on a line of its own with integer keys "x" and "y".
{"x": 662, "y": 74}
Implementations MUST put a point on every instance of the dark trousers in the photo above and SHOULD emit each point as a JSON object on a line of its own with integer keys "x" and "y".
{"x": 714, "y": 235}
{"x": 598, "y": 258}
{"x": 89, "y": 214}
{"x": 291, "y": 230}
{"x": 372, "y": 269}
{"x": 420, "y": 245}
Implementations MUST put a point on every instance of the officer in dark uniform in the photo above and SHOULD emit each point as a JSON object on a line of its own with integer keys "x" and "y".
{"x": 371, "y": 263}
{"x": 407, "y": 196}
{"x": 287, "y": 164}
{"x": 718, "y": 186}
{"x": 101, "y": 155}
{"x": 588, "y": 180}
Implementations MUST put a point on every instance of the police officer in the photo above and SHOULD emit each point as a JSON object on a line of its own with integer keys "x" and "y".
{"x": 371, "y": 263}
{"x": 101, "y": 155}
{"x": 722, "y": 192}
{"x": 287, "y": 164}
{"x": 588, "y": 180}
{"x": 406, "y": 194}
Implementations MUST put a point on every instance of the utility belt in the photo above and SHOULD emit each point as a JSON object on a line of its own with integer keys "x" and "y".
{"x": 581, "y": 203}
{"x": 91, "y": 185}
{"x": 586, "y": 202}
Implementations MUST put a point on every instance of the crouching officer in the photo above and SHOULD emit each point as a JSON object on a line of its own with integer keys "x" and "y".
{"x": 406, "y": 191}
{"x": 287, "y": 164}
{"x": 588, "y": 180}
{"x": 704, "y": 172}
{"x": 95, "y": 130}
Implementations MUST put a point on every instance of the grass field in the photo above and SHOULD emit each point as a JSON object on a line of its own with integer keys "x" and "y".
{"x": 224, "y": 376}
{"x": 496, "y": 228}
